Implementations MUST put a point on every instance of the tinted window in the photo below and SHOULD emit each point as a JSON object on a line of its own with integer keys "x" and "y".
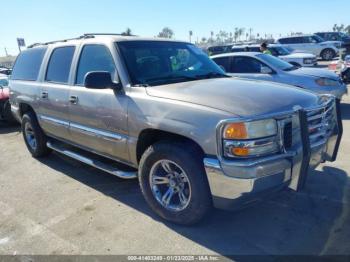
{"x": 237, "y": 49}
{"x": 285, "y": 41}
{"x": 94, "y": 58}
{"x": 275, "y": 62}
{"x": 28, "y": 64}
{"x": 254, "y": 49}
{"x": 59, "y": 65}
{"x": 245, "y": 65}
{"x": 224, "y": 62}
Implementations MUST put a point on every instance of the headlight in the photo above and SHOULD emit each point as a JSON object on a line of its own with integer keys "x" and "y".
{"x": 246, "y": 139}
{"x": 326, "y": 82}
{"x": 249, "y": 130}
{"x": 308, "y": 61}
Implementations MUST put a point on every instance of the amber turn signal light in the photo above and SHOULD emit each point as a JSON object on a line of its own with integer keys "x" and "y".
{"x": 240, "y": 151}
{"x": 235, "y": 131}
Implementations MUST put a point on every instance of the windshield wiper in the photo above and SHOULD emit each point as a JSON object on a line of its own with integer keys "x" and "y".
{"x": 170, "y": 78}
{"x": 211, "y": 75}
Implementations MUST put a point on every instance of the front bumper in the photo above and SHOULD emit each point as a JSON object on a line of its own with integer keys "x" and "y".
{"x": 268, "y": 174}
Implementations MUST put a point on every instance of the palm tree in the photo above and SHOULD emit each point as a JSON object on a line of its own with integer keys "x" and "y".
{"x": 211, "y": 36}
{"x": 236, "y": 33}
{"x": 190, "y": 35}
{"x": 240, "y": 32}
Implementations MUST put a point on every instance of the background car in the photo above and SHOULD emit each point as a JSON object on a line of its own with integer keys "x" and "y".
{"x": 297, "y": 59}
{"x": 215, "y": 50}
{"x": 314, "y": 44}
{"x": 5, "y": 107}
{"x": 337, "y": 36}
{"x": 260, "y": 66}
{"x": 5, "y": 71}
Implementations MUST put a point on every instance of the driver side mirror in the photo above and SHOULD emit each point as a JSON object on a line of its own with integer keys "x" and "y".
{"x": 265, "y": 70}
{"x": 100, "y": 80}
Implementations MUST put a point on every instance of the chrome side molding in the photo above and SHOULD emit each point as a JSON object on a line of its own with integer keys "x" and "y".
{"x": 91, "y": 162}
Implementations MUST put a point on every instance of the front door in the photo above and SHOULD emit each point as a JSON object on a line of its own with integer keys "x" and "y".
{"x": 98, "y": 117}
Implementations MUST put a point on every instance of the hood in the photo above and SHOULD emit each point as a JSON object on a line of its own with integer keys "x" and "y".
{"x": 237, "y": 96}
{"x": 315, "y": 72}
{"x": 298, "y": 55}
{"x": 4, "y": 93}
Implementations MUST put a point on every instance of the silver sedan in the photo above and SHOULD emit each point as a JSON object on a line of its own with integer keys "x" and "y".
{"x": 258, "y": 66}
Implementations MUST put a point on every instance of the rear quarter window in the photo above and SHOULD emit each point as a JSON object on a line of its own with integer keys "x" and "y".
{"x": 28, "y": 64}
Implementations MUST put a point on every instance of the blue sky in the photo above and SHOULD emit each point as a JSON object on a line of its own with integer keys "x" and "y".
{"x": 44, "y": 20}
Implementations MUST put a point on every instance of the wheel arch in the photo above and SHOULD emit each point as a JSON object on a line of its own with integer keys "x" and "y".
{"x": 150, "y": 136}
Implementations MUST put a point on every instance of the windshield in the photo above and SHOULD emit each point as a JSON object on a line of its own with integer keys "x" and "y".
{"x": 281, "y": 50}
{"x": 162, "y": 62}
{"x": 276, "y": 62}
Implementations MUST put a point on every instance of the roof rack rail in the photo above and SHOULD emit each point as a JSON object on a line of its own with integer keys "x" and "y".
{"x": 86, "y": 35}
{"x": 97, "y": 34}
{"x": 62, "y": 40}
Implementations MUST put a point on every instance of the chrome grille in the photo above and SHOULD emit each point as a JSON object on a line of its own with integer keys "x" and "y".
{"x": 321, "y": 122}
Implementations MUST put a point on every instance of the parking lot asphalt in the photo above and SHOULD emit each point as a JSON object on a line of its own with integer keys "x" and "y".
{"x": 59, "y": 206}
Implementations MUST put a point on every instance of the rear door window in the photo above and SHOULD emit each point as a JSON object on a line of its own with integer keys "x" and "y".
{"x": 94, "y": 58}
{"x": 245, "y": 65}
{"x": 223, "y": 62}
{"x": 59, "y": 65}
{"x": 28, "y": 64}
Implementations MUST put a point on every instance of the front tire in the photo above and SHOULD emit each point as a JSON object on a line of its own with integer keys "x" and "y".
{"x": 173, "y": 182}
{"x": 328, "y": 54}
{"x": 33, "y": 135}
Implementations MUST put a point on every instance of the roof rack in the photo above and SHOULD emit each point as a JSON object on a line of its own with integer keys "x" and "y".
{"x": 98, "y": 34}
{"x": 84, "y": 36}
{"x": 63, "y": 40}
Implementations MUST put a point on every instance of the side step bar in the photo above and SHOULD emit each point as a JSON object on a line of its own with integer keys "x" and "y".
{"x": 91, "y": 162}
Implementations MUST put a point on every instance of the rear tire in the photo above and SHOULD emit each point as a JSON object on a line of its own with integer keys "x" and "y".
{"x": 33, "y": 135}
{"x": 185, "y": 207}
{"x": 328, "y": 54}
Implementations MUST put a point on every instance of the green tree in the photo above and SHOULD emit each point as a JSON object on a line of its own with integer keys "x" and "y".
{"x": 166, "y": 33}
{"x": 127, "y": 31}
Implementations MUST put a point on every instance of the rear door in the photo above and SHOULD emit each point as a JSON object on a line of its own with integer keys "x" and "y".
{"x": 98, "y": 117}
{"x": 54, "y": 106}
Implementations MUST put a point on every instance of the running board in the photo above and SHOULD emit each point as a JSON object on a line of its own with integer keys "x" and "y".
{"x": 58, "y": 147}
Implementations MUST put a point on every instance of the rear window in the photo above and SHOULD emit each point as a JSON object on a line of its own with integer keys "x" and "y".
{"x": 59, "y": 65}
{"x": 28, "y": 64}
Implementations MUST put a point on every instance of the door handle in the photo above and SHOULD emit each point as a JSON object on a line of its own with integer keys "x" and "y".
{"x": 73, "y": 99}
{"x": 44, "y": 94}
